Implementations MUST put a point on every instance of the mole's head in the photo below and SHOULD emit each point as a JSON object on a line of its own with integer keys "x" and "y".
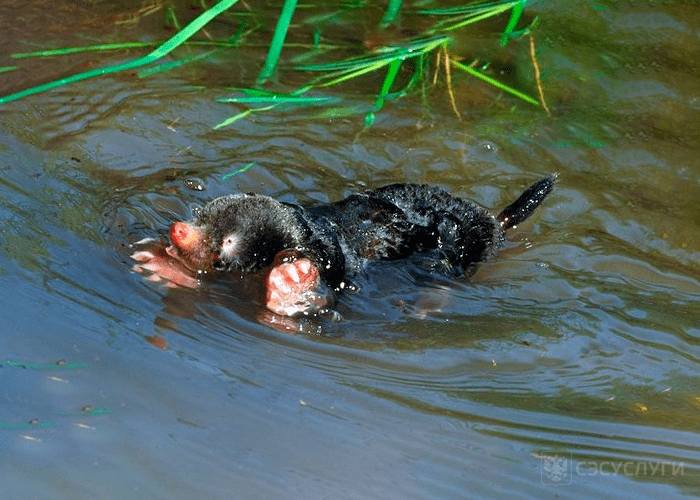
{"x": 235, "y": 233}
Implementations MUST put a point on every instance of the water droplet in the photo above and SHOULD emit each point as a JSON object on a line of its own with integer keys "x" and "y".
{"x": 194, "y": 184}
{"x": 489, "y": 147}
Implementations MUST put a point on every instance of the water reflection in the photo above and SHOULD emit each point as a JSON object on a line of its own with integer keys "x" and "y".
{"x": 580, "y": 339}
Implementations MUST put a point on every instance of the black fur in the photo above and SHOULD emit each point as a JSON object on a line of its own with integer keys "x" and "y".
{"x": 523, "y": 207}
{"x": 387, "y": 223}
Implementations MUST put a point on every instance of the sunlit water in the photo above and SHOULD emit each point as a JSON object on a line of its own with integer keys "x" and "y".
{"x": 579, "y": 343}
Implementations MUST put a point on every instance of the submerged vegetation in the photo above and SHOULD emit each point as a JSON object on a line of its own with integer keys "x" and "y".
{"x": 320, "y": 44}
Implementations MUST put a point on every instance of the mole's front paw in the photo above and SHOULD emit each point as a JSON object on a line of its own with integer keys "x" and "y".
{"x": 293, "y": 287}
{"x": 159, "y": 264}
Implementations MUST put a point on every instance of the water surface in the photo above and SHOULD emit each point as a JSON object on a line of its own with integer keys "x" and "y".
{"x": 579, "y": 342}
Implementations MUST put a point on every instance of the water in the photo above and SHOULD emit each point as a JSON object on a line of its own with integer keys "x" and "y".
{"x": 579, "y": 342}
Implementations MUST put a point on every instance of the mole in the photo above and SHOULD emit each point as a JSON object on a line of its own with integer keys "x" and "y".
{"x": 310, "y": 254}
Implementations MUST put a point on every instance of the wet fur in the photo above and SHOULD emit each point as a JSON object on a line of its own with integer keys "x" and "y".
{"x": 387, "y": 223}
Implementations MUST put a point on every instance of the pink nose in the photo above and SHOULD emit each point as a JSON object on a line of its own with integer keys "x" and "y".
{"x": 184, "y": 236}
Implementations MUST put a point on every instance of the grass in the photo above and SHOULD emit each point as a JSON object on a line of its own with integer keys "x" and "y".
{"x": 471, "y": 71}
{"x": 459, "y": 17}
{"x": 414, "y": 53}
{"x": 277, "y": 42}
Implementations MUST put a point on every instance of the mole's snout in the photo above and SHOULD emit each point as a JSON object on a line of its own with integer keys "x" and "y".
{"x": 184, "y": 236}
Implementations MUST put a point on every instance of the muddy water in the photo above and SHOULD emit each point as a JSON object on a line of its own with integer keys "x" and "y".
{"x": 580, "y": 343}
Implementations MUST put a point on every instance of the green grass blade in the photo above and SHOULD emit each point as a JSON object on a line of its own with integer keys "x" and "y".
{"x": 468, "y": 9}
{"x": 275, "y": 50}
{"x": 415, "y": 47}
{"x": 8, "y": 68}
{"x": 417, "y": 74}
{"x": 158, "y": 53}
{"x": 513, "y": 22}
{"x": 281, "y": 99}
{"x": 340, "y": 112}
{"x": 341, "y": 66}
{"x": 173, "y": 64}
{"x": 392, "y": 12}
{"x": 495, "y": 83}
{"x": 476, "y": 19}
{"x": 234, "y": 118}
{"x": 231, "y": 42}
{"x": 253, "y": 92}
{"x": 384, "y": 92}
{"x": 465, "y": 15}
{"x": 388, "y": 82}
{"x": 245, "y": 167}
{"x": 348, "y": 75}
{"x": 42, "y": 367}
{"x": 77, "y": 50}
{"x": 243, "y": 114}
{"x": 258, "y": 96}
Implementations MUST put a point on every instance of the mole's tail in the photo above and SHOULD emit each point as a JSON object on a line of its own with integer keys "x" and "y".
{"x": 523, "y": 207}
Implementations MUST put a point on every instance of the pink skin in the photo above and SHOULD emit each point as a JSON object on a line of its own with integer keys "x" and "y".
{"x": 162, "y": 265}
{"x": 292, "y": 288}
{"x": 291, "y": 285}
